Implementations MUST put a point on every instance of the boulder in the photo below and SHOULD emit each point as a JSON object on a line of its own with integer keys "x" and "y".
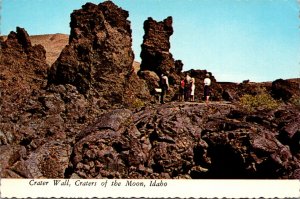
{"x": 49, "y": 161}
{"x": 229, "y": 95}
{"x": 11, "y": 155}
{"x": 110, "y": 148}
{"x": 151, "y": 79}
{"x": 288, "y": 121}
{"x": 285, "y": 90}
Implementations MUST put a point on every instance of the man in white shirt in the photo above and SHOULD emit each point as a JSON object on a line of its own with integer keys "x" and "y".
{"x": 164, "y": 84}
{"x": 207, "y": 83}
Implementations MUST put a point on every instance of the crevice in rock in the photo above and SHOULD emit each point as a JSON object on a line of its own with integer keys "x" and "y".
{"x": 226, "y": 163}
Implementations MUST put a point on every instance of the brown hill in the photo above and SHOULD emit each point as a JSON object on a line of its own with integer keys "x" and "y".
{"x": 53, "y": 44}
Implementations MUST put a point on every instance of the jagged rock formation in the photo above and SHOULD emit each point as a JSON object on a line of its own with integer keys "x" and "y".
{"x": 156, "y": 56}
{"x": 156, "y": 45}
{"x": 99, "y": 58}
{"x": 21, "y": 64}
{"x": 39, "y": 121}
{"x": 23, "y": 72}
{"x": 23, "y": 122}
{"x": 156, "y": 59}
{"x": 37, "y": 125}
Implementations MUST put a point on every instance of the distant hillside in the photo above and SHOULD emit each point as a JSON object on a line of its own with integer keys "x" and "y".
{"x": 53, "y": 43}
{"x": 136, "y": 66}
{"x": 297, "y": 80}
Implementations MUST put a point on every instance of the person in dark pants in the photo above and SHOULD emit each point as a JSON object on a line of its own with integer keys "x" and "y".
{"x": 181, "y": 90}
{"x": 187, "y": 88}
{"x": 164, "y": 84}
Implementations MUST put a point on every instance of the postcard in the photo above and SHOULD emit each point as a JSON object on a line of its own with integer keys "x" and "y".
{"x": 149, "y": 98}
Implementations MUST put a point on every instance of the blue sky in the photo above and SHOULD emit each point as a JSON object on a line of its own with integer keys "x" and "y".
{"x": 234, "y": 39}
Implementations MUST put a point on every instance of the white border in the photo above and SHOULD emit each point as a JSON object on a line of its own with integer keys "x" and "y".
{"x": 21, "y": 188}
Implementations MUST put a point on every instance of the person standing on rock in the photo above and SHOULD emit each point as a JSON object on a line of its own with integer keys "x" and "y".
{"x": 164, "y": 85}
{"x": 187, "y": 87}
{"x": 192, "y": 89}
{"x": 207, "y": 83}
{"x": 181, "y": 90}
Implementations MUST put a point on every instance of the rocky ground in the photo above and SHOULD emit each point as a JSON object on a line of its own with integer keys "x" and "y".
{"x": 174, "y": 140}
{"x": 91, "y": 114}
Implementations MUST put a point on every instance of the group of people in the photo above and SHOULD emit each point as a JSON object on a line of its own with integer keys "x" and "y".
{"x": 186, "y": 89}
